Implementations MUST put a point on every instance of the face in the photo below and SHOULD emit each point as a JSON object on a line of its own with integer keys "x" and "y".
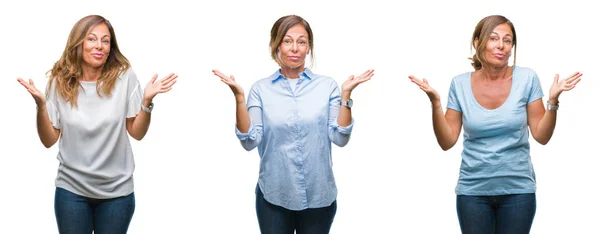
{"x": 499, "y": 46}
{"x": 96, "y": 46}
{"x": 294, "y": 47}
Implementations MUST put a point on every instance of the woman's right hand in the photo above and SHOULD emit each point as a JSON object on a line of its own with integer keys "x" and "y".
{"x": 230, "y": 81}
{"x": 424, "y": 85}
{"x": 38, "y": 96}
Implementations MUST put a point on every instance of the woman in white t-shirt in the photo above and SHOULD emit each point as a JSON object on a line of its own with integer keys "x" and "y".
{"x": 93, "y": 100}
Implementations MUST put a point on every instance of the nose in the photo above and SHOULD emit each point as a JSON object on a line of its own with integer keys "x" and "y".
{"x": 295, "y": 47}
{"x": 500, "y": 44}
{"x": 98, "y": 44}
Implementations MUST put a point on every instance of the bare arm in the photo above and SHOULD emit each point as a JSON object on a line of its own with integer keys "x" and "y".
{"x": 138, "y": 126}
{"x": 541, "y": 121}
{"x": 47, "y": 133}
{"x": 446, "y": 127}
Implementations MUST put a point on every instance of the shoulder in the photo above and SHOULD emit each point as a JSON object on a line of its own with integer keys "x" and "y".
{"x": 524, "y": 75}
{"x": 523, "y": 71}
{"x": 461, "y": 79}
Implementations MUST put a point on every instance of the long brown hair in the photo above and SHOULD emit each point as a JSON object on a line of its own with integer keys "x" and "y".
{"x": 280, "y": 28}
{"x": 67, "y": 71}
{"x": 481, "y": 34}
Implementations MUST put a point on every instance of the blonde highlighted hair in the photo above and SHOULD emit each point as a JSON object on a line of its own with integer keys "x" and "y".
{"x": 66, "y": 72}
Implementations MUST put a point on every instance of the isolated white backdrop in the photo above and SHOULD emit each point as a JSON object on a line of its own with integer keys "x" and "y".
{"x": 192, "y": 176}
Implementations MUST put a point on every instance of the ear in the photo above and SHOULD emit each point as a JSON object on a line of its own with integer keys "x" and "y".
{"x": 476, "y": 42}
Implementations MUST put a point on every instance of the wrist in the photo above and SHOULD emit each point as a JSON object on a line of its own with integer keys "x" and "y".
{"x": 436, "y": 103}
{"x": 240, "y": 98}
{"x": 146, "y": 102}
{"x": 40, "y": 106}
{"x": 346, "y": 95}
{"x": 553, "y": 101}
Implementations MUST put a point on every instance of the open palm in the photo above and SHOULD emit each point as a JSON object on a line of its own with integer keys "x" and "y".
{"x": 230, "y": 81}
{"x": 354, "y": 81}
{"x": 564, "y": 85}
{"x": 424, "y": 85}
{"x": 35, "y": 93}
{"x": 163, "y": 85}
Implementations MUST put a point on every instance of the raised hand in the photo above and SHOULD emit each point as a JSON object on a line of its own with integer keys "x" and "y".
{"x": 353, "y": 81}
{"x": 424, "y": 85}
{"x": 564, "y": 85}
{"x": 162, "y": 86}
{"x": 38, "y": 96}
{"x": 230, "y": 81}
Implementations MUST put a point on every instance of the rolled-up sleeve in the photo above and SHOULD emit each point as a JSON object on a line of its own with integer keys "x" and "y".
{"x": 339, "y": 135}
{"x": 253, "y": 137}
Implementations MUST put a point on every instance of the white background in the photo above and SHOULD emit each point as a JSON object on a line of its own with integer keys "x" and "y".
{"x": 192, "y": 176}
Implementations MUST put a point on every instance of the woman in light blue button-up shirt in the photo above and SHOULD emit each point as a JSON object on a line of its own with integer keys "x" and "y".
{"x": 293, "y": 116}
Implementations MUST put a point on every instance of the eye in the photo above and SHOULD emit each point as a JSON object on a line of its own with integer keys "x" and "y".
{"x": 287, "y": 41}
{"x": 508, "y": 41}
{"x": 302, "y": 42}
{"x": 91, "y": 39}
{"x": 105, "y": 42}
{"x": 493, "y": 39}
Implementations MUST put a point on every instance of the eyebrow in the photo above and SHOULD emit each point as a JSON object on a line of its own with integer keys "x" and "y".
{"x": 508, "y": 34}
{"x": 301, "y": 36}
{"x": 101, "y": 37}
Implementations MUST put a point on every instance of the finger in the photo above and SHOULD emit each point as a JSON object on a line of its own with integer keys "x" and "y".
{"x": 351, "y": 77}
{"x": 232, "y": 78}
{"x": 556, "y": 78}
{"x": 164, "y": 90}
{"x": 574, "y": 82}
{"x": 573, "y": 77}
{"x": 425, "y": 82}
{"x": 22, "y": 82}
{"x": 169, "y": 78}
{"x": 220, "y": 74}
{"x": 170, "y": 84}
{"x": 153, "y": 78}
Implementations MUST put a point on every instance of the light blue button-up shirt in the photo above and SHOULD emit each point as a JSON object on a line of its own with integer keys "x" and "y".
{"x": 293, "y": 128}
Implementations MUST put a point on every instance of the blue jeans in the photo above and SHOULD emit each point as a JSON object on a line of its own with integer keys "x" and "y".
{"x": 77, "y": 214}
{"x": 274, "y": 219}
{"x": 506, "y": 214}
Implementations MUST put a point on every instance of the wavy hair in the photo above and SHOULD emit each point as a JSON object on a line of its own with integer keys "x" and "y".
{"x": 66, "y": 72}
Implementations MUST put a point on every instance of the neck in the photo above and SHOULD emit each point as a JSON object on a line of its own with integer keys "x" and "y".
{"x": 292, "y": 73}
{"x": 90, "y": 73}
{"x": 496, "y": 73}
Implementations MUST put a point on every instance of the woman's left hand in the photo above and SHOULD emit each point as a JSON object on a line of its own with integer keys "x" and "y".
{"x": 353, "y": 81}
{"x": 163, "y": 85}
{"x": 564, "y": 85}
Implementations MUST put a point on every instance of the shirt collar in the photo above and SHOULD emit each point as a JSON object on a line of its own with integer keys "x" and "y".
{"x": 307, "y": 73}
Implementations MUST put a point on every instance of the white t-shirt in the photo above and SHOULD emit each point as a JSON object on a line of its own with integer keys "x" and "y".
{"x": 95, "y": 155}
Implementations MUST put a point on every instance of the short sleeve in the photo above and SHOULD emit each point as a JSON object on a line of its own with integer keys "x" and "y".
{"x": 453, "y": 98}
{"x": 535, "y": 92}
{"x": 52, "y": 105}
{"x": 134, "y": 93}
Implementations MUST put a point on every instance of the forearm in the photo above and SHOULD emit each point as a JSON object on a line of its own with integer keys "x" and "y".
{"x": 344, "y": 118}
{"x": 546, "y": 126}
{"x": 47, "y": 133}
{"x": 441, "y": 128}
{"x": 242, "y": 118}
{"x": 141, "y": 123}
